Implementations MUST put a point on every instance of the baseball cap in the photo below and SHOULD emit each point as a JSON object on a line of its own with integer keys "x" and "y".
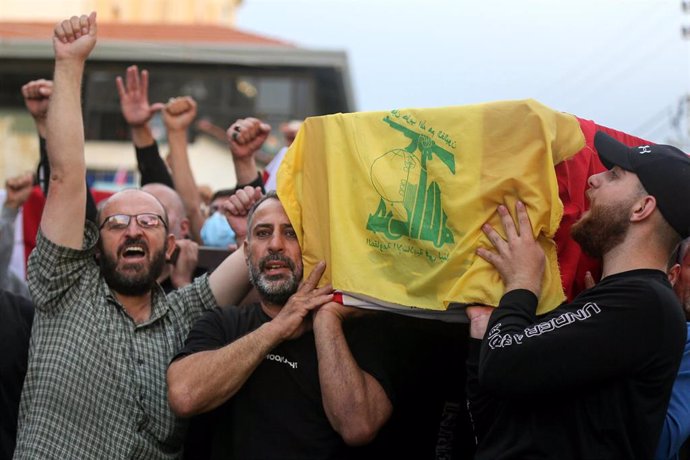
{"x": 663, "y": 170}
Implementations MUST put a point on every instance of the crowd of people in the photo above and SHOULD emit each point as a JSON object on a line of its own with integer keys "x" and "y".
{"x": 123, "y": 347}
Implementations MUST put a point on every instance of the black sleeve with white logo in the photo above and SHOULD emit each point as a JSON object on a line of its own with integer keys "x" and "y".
{"x": 611, "y": 330}
{"x": 590, "y": 379}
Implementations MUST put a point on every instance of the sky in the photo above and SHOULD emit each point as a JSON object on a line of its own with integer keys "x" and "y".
{"x": 623, "y": 64}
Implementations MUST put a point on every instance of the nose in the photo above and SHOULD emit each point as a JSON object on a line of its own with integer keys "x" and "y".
{"x": 595, "y": 180}
{"x": 276, "y": 243}
{"x": 133, "y": 228}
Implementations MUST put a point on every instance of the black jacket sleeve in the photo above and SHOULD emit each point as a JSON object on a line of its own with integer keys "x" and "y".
{"x": 600, "y": 336}
{"x": 258, "y": 182}
{"x": 152, "y": 167}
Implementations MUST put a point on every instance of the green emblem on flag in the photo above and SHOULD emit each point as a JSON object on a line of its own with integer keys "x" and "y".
{"x": 410, "y": 205}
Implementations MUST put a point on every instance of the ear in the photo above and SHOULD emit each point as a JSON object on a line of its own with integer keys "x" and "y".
{"x": 245, "y": 249}
{"x": 184, "y": 227}
{"x": 171, "y": 246}
{"x": 643, "y": 208}
{"x": 673, "y": 274}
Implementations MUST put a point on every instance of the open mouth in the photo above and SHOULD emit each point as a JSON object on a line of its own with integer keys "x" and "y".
{"x": 133, "y": 251}
{"x": 276, "y": 264}
{"x": 275, "y": 267}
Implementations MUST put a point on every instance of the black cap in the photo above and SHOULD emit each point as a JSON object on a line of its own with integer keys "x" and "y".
{"x": 663, "y": 170}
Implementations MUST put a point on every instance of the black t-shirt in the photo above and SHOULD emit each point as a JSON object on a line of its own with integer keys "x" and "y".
{"x": 430, "y": 418}
{"x": 16, "y": 316}
{"x": 591, "y": 379}
{"x": 278, "y": 412}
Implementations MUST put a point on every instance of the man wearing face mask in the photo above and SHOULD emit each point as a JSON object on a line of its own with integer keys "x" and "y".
{"x": 245, "y": 137}
{"x": 216, "y": 231}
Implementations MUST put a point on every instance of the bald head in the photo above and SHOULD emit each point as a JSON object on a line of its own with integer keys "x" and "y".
{"x": 171, "y": 201}
{"x": 130, "y": 201}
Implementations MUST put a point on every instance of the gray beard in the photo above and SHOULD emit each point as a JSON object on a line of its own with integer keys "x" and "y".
{"x": 274, "y": 290}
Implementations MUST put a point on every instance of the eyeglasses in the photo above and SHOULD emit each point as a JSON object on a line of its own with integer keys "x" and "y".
{"x": 121, "y": 221}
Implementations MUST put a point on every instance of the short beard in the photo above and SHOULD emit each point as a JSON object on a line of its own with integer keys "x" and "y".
{"x": 602, "y": 229}
{"x": 274, "y": 290}
{"x": 137, "y": 284}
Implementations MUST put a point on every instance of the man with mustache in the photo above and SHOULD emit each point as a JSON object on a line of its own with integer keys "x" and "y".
{"x": 104, "y": 330}
{"x": 285, "y": 378}
{"x": 592, "y": 378}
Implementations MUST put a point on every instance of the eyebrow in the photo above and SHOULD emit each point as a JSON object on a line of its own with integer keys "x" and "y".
{"x": 270, "y": 226}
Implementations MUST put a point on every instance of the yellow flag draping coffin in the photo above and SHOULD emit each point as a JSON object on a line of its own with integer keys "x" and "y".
{"x": 394, "y": 201}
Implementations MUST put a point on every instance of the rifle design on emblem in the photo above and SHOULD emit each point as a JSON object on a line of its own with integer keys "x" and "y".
{"x": 422, "y": 216}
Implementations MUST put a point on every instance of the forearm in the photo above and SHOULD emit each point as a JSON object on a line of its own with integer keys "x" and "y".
{"x": 245, "y": 170}
{"x": 505, "y": 354}
{"x": 142, "y": 135}
{"x": 355, "y": 403}
{"x": 65, "y": 130}
{"x": 43, "y": 175}
{"x": 230, "y": 280}
{"x": 203, "y": 381}
{"x": 183, "y": 178}
{"x": 564, "y": 349}
{"x": 65, "y": 147}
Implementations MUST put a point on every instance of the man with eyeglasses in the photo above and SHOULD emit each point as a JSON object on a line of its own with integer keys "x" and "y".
{"x": 104, "y": 331}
